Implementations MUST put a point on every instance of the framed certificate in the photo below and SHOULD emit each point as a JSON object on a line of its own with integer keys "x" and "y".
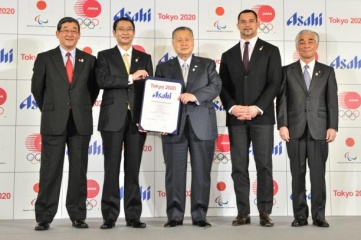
{"x": 161, "y": 106}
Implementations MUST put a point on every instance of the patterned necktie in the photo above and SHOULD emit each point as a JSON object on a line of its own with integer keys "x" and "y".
{"x": 185, "y": 69}
{"x": 245, "y": 55}
{"x": 307, "y": 77}
{"x": 126, "y": 62}
{"x": 69, "y": 68}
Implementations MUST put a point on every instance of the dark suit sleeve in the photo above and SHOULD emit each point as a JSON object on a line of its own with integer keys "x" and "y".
{"x": 332, "y": 101}
{"x": 274, "y": 77}
{"x": 149, "y": 66}
{"x": 158, "y": 72}
{"x": 105, "y": 73}
{"x": 38, "y": 81}
{"x": 211, "y": 91}
{"x": 225, "y": 95}
{"x": 281, "y": 102}
{"x": 93, "y": 85}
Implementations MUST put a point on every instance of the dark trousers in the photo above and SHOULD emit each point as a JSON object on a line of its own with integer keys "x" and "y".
{"x": 51, "y": 172}
{"x": 133, "y": 141}
{"x": 315, "y": 153}
{"x": 201, "y": 156}
{"x": 261, "y": 137}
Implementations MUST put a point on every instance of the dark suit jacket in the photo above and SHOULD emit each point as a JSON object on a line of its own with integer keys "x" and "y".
{"x": 318, "y": 107}
{"x": 55, "y": 96}
{"x": 258, "y": 85}
{"x": 204, "y": 83}
{"x": 112, "y": 76}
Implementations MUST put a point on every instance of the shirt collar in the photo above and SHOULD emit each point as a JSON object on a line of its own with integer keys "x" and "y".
{"x": 252, "y": 41}
{"x": 64, "y": 52}
{"x": 311, "y": 64}
{"x": 122, "y": 51}
{"x": 188, "y": 61}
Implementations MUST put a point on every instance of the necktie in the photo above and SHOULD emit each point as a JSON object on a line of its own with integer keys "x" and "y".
{"x": 69, "y": 68}
{"x": 126, "y": 62}
{"x": 245, "y": 55}
{"x": 185, "y": 69}
{"x": 307, "y": 77}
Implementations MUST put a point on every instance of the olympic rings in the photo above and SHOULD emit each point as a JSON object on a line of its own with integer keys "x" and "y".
{"x": 265, "y": 28}
{"x": 348, "y": 114}
{"x": 34, "y": 158}
{"x": 221, "y": 158}
{"x": 88, "y": 23}
{"x": 90, "y": 204}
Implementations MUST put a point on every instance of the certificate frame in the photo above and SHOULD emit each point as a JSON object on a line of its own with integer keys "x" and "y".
{"x": 161, "y": 106}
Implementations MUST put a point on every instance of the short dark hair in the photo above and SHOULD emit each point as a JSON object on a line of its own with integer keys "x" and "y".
{"x": 182, "y": 28}
{"x": 65, "y": 20}
{"x": 247, "y": 11}
{"x": 123, "y": 19}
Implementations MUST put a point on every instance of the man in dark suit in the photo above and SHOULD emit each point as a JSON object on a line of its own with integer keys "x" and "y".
{"x": 251, "y": 74}
{"x": 121, "y": 72}
{"x": 197, "y": 131}
{"x": 307, "y": 118}
{"x": 65, "y": 90}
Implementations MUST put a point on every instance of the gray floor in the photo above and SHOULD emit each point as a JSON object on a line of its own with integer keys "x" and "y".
{"x": 341, "y": 228}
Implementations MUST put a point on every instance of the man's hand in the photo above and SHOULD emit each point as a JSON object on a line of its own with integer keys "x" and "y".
{"x": 187, "y": 97}
{"x": 284, "y": 134}
{"x": 245, "y": 112}
{"x": 330, "y": 135}
{"x": 139, "y": 75}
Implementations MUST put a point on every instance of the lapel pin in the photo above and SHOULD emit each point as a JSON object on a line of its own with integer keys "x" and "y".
{"x": 81, "y": 60}
{"x": 319, "y": 72}
{"x": 136, "y": 60}
{"x": 261, "y": 48}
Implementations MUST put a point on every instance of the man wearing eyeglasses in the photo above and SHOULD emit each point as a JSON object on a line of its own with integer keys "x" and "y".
{"x": 64, "y": 87}
{"x": 121, "y": 72}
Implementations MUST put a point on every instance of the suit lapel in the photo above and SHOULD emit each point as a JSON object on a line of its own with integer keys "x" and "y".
{"x": 79, "y": 62}
{"x": 193, "y": 72}
{"x": 316, "y": 75}
{"x": 297, "y": 71}
{"x": 175, "y": 69}
{"x": 59, "y": 64}
{"x": 135, "y": 60}
{"x": 118, "y": 59}
{"x": 256, "y": 53}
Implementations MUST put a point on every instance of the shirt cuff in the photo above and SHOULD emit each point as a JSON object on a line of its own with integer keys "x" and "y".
{"x": 130, "y": 79}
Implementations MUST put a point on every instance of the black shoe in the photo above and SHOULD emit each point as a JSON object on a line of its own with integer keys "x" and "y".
{"x": 321, "y": 223}
{"x": 202, "y": 223}
{"x": 136, "y": 224}
{"x": 173, "y": 223}
{"x": 42, "y": 225}
{"x": 80, "y": 224}
{"x": 107, "y": 224}
{"x": 241, "y": 219}
{"x": 265, "y": 220}
{"x": 299, "y": 222}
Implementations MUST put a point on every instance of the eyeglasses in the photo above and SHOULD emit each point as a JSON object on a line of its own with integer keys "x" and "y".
{"x": 125, "y": 29}
{"x": 69, "y": 32}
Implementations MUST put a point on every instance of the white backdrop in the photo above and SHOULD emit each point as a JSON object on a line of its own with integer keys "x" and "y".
{"x": 28, "y": 27}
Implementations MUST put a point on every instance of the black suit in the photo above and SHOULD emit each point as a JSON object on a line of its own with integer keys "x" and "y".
{"x": 257, "y": 85}
{"x": 118, "y": 126}
{"x": 308, "y": 114}
{"x": 66, "y": 118}
{"x": 197, "y": 131}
